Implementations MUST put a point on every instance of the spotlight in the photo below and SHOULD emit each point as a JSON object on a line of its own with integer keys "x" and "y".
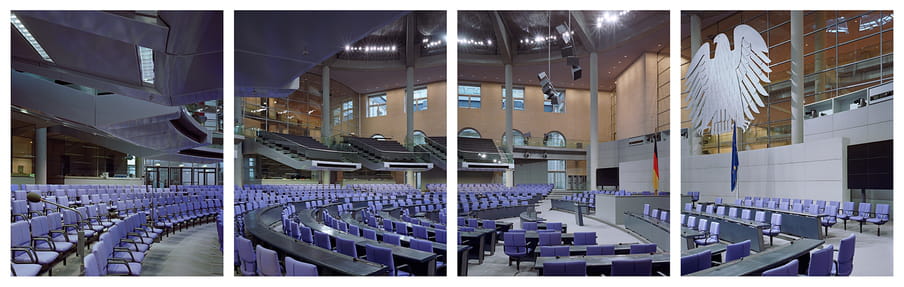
{"x": 564, "y": 31}
{"x": 575, "y": 73}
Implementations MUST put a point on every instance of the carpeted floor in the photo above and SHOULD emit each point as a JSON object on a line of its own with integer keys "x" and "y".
{"x": 193, "y": 251}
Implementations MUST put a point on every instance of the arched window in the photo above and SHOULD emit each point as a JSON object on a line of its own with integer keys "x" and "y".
{"x": 378, "y": 137}
{"x": 518, "y": 136}
{"x": 554, "y": 139}
{"x": 469, "y": 133}
{"x": 419, "y": 138}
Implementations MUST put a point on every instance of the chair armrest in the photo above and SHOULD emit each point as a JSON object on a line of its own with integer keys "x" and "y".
{"x": 45, "y": 239}
{"x": 60, "y": 231}
{"x": 27, "y": 250}
{"x": 404, "y": 266}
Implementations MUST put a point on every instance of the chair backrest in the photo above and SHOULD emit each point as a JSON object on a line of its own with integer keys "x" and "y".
{"x": 246, "y": 255}
{"x": 864, "y": 209}
{"x": 601, "y": 250}
{"x": 440, "y": 235}
{"x": 529, "y": 225}
{"x": 760, "y": 216}
{"x": 714, "y": 229}
{"x": 346, "y": 246}
{"x": 369, "y": 234}
{"x": 846, "y": 256}
{"x": 422, "y": 245}
{"x": 848, "y": 207}
{"x": 643, "y": 248}
{"x": 419, "y": 231}
{"x": 646, "y": 209}
{"x": 322, "y": 240}
{"x": 489, "y": 224}
{"x": 298, "y": 268}
{"x": 776, "y": 221}
{"x": 554, "y": 251}
{"x": 472, "y": 222}
{"x": 745, "y": 214}
{"x": 789, "y": 269}
{"x": 380, "y": 255}
{"x": 514, "y": 242}
{"x": 737, "y": 250}
{"x": 655, "y": 213}
{"x": 90, "y": 264}
{"x": 702, "y": 225}
{"x": 557, "y": 226}
{"x": 696, "y": 262}
{"x": 550, "y": 238}
{"x": 882, "y": 211}
{"x": 688, "y": 206}
{"x": 664, "y": 216}
{"x": 632, "y": 267}
{"x": 692, "y": 222}
{"x": 821, "y": 262}
{"x": 720, "y": 210}
{"x": 733, "y": 212}
{"x": 585, "y": 238}
{"x": 565, "y": 268}
{"x": 682, "y": 218}
{"x": 393, "y": 239}
{"x": 354, "y": 230}
{"x": 267, "y": 262}
{"x": 401, "y": 228}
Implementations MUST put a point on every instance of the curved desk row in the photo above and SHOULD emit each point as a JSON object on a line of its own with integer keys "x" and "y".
{"x": 422, "y": 263}
{"x": 795, "y": 223}
{"x": 755, "y": 264}
{"x": 497, "y": 212}
{"x": 602, "y": 264}
{"x": 736, "y": 230}
{"x": 259, "y": 223}
{"x": 653, "y": 229}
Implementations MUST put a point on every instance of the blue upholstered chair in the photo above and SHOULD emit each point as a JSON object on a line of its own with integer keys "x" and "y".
{"x": 565, "y": 268}
{"x": 880, "y": 217}
{"x": 393, "y": 239}
{"x": 346, "y": 246}
{"x": 515, "y": 246}
{"x": 529, "y": 226}
{"x": 844, "y": 264}
{"x": 696, "y": 262}
{"x": 829, "y": 219}
{"x": 369, "y": 233}
{"x": 643, "y": 248}
{"x": 554, "y": 251}
{"x": 298, "y": 268}
{"x": 632, "y": 267}
{"x": 267, "y": 262}
{"x": 549, "y": 238}
{"x": 775, "y": 228}
{"x": 383, "y": 256}
{"x": 821, "y": 262}
{"x": 585, "y": 238}
{"x": 322, "y": 240}
{"x": 247, "y": 257}
{"x": 789, "y": 269}
{"x": 554, "y": 226}
{"x": 601, "y": 250}
{"x": 712, "y": 237}
{"x": 847, "y": 210}
{"x": 737, "y": 250}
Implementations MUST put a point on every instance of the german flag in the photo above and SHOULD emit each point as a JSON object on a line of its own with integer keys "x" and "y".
{"x": 655, "y": 168}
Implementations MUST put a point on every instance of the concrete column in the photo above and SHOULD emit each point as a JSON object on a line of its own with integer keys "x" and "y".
{"x": 797, "y": 77}
{"x": 593, "y": 154}
{"x": 240, "y": 171}
{"x": 509, "y": 114}
{"x": 696, "y": 147}
{"x": 139, "y": 167}
{"x": 325, "y": 177}
{"x": 410, "y": 179}
{"x": 41, "y": 156}
{"x": 326, "y": 131}
{"x": 409, "y": 107}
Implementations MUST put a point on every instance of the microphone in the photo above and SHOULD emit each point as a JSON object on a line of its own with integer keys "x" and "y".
{"x": 33, "y": 196}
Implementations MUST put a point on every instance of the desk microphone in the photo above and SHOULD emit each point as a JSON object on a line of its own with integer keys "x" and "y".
{"x": 35, "y": 197}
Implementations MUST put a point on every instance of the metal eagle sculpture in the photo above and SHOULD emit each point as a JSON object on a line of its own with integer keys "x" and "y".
{"x": 725, "y": 89}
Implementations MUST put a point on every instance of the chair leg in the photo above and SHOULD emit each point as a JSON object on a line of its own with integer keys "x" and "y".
{"x": 878, "y": 231}
{"x": 861, "y": 227}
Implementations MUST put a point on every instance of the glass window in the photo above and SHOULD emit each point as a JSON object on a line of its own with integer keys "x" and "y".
{"x": 555, "y": 139}
{"x": 348, "y": 110}
{"x": 550, "y": 108}
{"x": 469, "y": 96}
{"x": 376, "y": 105}
{"x": 337, "y": 116}
{"x": 419, "y": 138}
{"x": 556, "y": 173}
{"x": 420, "y": 99}
{"x": 469, "y": 133}
{"x": 517, "y": 96}
{"x": 517, "y": 135}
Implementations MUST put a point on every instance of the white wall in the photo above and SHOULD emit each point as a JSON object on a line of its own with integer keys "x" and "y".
{"x": 636, "y": 89}
{"x": 815, "y": 169}
{"x": 868, "y": 124}
{"x": 635, "y": 163}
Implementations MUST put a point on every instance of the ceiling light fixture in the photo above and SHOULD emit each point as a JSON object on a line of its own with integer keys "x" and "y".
{"x": 29, "y": 37}
{"x": 146, "y": 57}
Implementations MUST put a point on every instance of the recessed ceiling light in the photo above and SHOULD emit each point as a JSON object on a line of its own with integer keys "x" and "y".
{"x": 29, "y": 37}
{"x": 146, "y": 57}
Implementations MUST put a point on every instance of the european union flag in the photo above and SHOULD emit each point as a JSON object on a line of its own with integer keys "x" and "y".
{"x": 734, "y": 158}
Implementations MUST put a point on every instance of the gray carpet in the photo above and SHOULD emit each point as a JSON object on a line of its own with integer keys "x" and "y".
{"x": 193, "y": 251}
